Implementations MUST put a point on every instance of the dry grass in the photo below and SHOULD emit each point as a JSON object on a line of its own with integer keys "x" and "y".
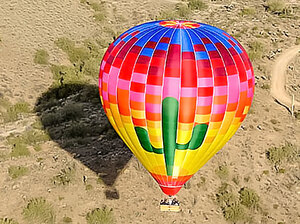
{"x": 12, "y": 112}
{"x": 7, "y": 221}
{"x": 256, "y": 50}
{"x": 38, "y": 211}
{"x": 41, "y": 57}
{"x": 65, "y": 176}
{"x": 197, "y": 5}
{"x": 100, "y": 216}
{"x": 17, "y": 171}
{"x": 278, "y": 156}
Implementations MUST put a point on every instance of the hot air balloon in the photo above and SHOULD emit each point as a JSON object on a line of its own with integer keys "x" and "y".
{"x": 175, "y": 92}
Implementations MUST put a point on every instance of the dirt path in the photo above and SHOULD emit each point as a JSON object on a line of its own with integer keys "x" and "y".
{"x": 278, "y": 77}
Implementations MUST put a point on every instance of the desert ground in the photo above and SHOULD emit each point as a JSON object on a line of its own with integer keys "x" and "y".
{"x": 61, "y": 161}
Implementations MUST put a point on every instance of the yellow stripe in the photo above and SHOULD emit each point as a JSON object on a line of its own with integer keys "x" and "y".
{"x": 202, "y": 118}
{"x": 138, "y": 114}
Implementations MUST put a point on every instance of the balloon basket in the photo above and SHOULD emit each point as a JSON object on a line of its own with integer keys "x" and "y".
{"x": 169, "y": 204}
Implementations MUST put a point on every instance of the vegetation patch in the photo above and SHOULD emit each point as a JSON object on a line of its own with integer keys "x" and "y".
{"x": 29, "y": 138}
{"x": 237, "y": 207}
{"x": 17, "y": 171}
{"x": 65, "y": 176}
{"x": 232, "y": 209}
{"x": 197, "y": 5}
{"x": 249, "y": 11}
{"x": 256, "y": 50}
{"x": 38, "y": 211}
{"x": 280, "y": 155}
{"x": 67, "y": 219}
{"x": 7, "y": 221}
{"x": 249, "y": 198}
{"x": 100, "y": 216}
{"x": 41, "y": 57}
{"x": 276, "y": 6}
{"x": 12, "y": 112}
{"x": 222, "y": 172}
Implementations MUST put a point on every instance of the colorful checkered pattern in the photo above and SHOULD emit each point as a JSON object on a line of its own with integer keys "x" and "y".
{"x": 176, "y": 92}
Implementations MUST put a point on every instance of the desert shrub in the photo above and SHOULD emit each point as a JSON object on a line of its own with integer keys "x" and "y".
{"x": 249, "y": 198}
{"x": 31, "y": 137}
{"x": 65, "y": 44}
{"x": 256, "y": 50}
{"x": 222, "y": 172}
{"x": 183, "y": 11}
{"x": 197, "y": 4}
{"x": 41, "y": 57}
{"x": 248, "y": 12}
{"x": 234, "y": 213}
{"x": 19, "y": 149}
{"x": 51, "y": 119}
{"x": 17, "y": 171}
{"x": 100, "y": 216}
{"x": 38, "y": 211}
{"x": 167, "y": 15}
{"x": 230, "y": 205}
{"x": 65, "y": 176}
{"x": 99, "y": 16}
{"x": 12, "y": 112}
{"x": 77, "y": 130}
{"x": 279, "y": 155}
{"x": 72, "y": 111}
{"x": 265, "y": 86}
{"x": 67, "y": 219}
{"x": 7, "y": 221}
{"x": 297, "y": 41}
{"x": 276, "y": 6}
{"x": 96, "y": 6}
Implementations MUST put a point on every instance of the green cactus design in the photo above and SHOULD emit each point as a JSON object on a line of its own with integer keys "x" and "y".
{"x": 170, "y": 107}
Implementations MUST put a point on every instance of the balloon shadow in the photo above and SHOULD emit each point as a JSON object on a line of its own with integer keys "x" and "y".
{"x": 73, "y": 117}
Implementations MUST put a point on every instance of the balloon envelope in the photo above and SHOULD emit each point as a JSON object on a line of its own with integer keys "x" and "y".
{"x": 175, "y": 92}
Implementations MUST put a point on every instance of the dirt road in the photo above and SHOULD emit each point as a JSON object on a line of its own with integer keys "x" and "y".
{"x": 278, "y": 77}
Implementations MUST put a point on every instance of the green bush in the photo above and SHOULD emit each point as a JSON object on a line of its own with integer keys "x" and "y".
{"x": 39, "y": 211}
{"x": 248, "y": 12}
{"x": 17, "y": 171}
{"x": 256, "y": 50}
{"x": 41, "y": 57}
{"x": 19, "y": 149}
{"x": 197, "y": 4}
{"x": 279, "y": 155}
{"x": 67, "y": 219}
{"x": 100, "y": 216}
{"x": 249, "y": 198}
{"x": 12, "y": 112}
{"x": 222, "y": 172}
{"x": 65, "y": 176}
{"x": 276, "y": 6}
{"x": 77, "y": 130}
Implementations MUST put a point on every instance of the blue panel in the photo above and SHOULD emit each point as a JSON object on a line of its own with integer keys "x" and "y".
{"x": 117, "y": 41}
{"x": 128, "y": 37}
{"x": 144, "y": 37}
{"x": 201, "y": 55}
{"x": 194, "y": 37}
{"x": 162, "y": 46}
{"x": 186, "y": 43}
{"x": 238, "y": 49}
{"x": 176, "y": 37}
{"x": 210, "y": 47}
{"x": 147, "y": 51}
{"x": 158, "y": 35}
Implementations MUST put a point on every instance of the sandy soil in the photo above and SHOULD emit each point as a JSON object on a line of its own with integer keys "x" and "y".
{"x": 125, "y": 185}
